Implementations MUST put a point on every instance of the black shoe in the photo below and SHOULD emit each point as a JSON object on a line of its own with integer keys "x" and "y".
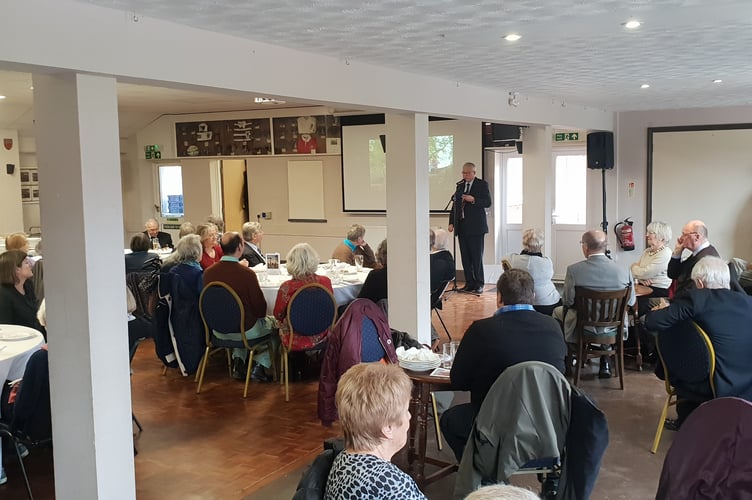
{"x": 238, "y": 369}
{"x": 605, "y": 370}
{"x": 671, "y": 425}
{"x": 259, "y": 374}
{"x": 479, "y": 290}
{"x": 467, "y": 288}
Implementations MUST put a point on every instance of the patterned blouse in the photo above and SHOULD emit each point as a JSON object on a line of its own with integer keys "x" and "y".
{"x": 362, "y": 477}
{"x": 285, "y": 293}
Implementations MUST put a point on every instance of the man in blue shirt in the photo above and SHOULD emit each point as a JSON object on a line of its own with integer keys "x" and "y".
{"x": 515, "y": 333}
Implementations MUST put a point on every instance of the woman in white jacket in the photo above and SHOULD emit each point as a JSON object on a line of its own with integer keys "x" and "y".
{"x": 541, "y": 268}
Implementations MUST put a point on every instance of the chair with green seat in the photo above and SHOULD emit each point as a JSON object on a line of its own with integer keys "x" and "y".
{"x": 222, "y": 312}
{"x": 688, "y": 360}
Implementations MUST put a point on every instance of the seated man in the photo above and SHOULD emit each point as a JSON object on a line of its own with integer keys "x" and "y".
{"x": 153, "y": 232}
{"x": 694, "y": 237}
{"x": 596, "y": 272}
{"x": 140, "y": 259}
{"x": 353, "y": 245}
{"x": 243, "y": 280}
{"x": 515, "y": 333}
{"x": 726, "y": 316}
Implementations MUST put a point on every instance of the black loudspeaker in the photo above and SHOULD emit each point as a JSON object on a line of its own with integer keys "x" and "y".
{"x": 519, "y": 147}
{"x": 382, "y": 138}
{"x": 10, "y": 168}
{"x": 600, "y": 150}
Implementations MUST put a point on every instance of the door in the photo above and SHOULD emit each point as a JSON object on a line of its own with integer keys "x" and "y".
{"x": 234, "y": 194}
{"x": 508, "y": 205}
{"x": 570, "y": 205}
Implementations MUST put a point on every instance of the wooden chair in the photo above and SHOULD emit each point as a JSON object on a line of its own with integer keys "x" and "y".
{"x": 600, "y": 309}
{"x": 686, "y": 354}
{"x": 222, "y": 311}
{"x": 311, "y": 311}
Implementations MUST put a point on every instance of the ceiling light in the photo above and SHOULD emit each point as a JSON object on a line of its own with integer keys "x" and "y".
{"x": 632, "y": 25}
{"x": 267, "y": 100}
{"x": 2, "y": 97}
{"x": 717, "y": 80}
{"x": 644, "y": 86}
{"x": 512, "y": 37}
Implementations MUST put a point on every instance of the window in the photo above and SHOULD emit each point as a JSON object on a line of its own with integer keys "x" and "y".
{"x": 571, "y": 187}
{"x": 513, "y": 190}
{"x": 171, "y": 190}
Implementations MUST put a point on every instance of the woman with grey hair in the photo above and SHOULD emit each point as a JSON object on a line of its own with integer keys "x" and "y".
{"x": 651, "y": 269}
{"x": 185, "y": 260}
{"x": 302, "y": 262}
{"x": 541, "y": 268}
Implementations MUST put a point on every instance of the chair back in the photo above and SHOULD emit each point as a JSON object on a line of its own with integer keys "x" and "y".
{"x": 144, "y": 287}
{"x": 687, "y": 355}
{"x": 311, "y": 310}
{"x": 506, "y": 265}
{"x": 600, "y": 309}
{"x": 222, "y": 311}
{"x": 437, "y": 294}
{"x": 370, "y": 348}
{"x": 31, "y": 411}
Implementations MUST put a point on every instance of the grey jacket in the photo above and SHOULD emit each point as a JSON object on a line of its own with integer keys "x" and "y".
{"x": 597, "y": 272}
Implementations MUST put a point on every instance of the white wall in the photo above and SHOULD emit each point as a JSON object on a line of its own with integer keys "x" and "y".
{"x": 631, "y": 165}
{"x": 11, "y": 219}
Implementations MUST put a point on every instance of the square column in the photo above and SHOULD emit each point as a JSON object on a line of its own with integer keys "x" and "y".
{"x": 408, "y": 224}
{"x": 76, "y": 125}
{"x": 537, "y": 182}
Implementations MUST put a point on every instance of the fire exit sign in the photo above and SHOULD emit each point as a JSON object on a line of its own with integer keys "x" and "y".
{"x": 152, "y": 152}
{"x": 567, "y": 136}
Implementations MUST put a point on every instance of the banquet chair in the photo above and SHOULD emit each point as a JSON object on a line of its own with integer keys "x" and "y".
{"x": 311, "y": 310}
{"x": 222, "y": 311}
{"x": 687, "y": 357}
{"x": 31, "y": 422}
{"x": 437, "y": 299}
{"x": 600, "y": 309}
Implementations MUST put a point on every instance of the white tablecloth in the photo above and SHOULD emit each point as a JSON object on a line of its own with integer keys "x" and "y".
{"x": 17, "y": 344}
{"x": 344, "y": 292}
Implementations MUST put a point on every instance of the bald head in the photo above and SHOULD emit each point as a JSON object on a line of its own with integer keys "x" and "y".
{"x": 152, "y": 228}
{"x": 694, "y": 234}
{"x": 593, "y": 242}
{"x": 232, "y": 244}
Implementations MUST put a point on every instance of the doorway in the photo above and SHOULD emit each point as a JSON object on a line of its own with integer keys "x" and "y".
{"x": 570, "y": 205}
{"x": 234, "y": 193}
{"x": 508, "y": 205}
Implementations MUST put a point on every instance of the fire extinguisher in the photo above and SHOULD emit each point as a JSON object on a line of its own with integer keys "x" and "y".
{"x": 625, "y": 234}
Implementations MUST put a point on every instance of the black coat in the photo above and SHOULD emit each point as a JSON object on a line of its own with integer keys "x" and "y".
{"x": 681, "y": 271}
{"x": 474, "y": 221}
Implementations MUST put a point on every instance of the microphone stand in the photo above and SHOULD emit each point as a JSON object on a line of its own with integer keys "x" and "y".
{"x": 456, "y": 218}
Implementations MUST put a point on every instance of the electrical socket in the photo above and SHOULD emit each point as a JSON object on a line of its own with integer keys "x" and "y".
{"x": 266, "y": 215}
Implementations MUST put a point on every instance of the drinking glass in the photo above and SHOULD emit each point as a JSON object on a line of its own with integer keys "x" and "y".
{"x": 359, "y": 263}
{"x": 447, "y": 355}
{"x": 333, "y": 263}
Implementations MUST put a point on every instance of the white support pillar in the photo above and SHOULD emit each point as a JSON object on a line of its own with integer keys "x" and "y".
{"x": 408, "y": 225}
{"x": 537, "y": 181}
{"x": 76, "y": 125}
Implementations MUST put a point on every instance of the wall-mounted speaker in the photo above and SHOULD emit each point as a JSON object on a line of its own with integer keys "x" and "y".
{"x": 10, "y": 168}
{"x": 382, "y": 138}
{"x": 519, "y": 147}
{"x": 600, "y": 150}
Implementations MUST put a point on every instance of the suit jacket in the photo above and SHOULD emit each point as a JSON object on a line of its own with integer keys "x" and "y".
{"x": 681, "y": 270}
{"x": 253, "y": 257}
{"x": 474, "y": 221}
{"x": 597, "y": 272}
{"x": 244, "y": 282}
{"x": 165, "y": 239}
{"x": 726, "y": 317}
{"x": 492, "y": 344}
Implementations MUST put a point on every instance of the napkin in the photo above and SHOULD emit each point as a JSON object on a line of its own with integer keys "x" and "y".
{"x": 414, "y": 354}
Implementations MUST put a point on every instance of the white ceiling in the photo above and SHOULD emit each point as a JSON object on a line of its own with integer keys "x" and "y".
{"x": 571, "y": 50}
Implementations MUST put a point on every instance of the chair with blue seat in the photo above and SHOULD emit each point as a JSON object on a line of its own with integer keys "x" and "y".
{"x": 311, "y": 311}
{"x": 222, "y": 311}
{"x": 688, "y": 359}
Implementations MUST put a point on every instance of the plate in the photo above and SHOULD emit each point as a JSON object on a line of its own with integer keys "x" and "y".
{"x": 420, "y": 366}
{"x": 15, "y": 335}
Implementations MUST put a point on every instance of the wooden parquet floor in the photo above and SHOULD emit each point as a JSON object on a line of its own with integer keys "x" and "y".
{"x": 216, "y": 445}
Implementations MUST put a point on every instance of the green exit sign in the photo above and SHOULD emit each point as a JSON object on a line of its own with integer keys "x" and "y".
{"x": 567, "y": 136}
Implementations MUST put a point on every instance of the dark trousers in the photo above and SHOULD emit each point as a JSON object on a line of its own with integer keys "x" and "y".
{"x": 456, "y": 426}
{"x": 471, "y": 248}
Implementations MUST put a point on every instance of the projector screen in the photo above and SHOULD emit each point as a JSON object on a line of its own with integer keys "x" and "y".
{"x": 451, "y": 143}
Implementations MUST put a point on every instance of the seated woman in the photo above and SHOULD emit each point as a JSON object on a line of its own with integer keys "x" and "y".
{"x": 212, "y": 252}
{"x": 651, "y": 269}
{"x": 373, "y": 401}
{"x": 184, "y": 261}
{"x": 541, "y": 268}
{"x": 18, "y": 304}
{"x": 140, "y": 259}
{"x": 375, "y": 285}
{"x": 442, "y": 262}
{"x": 302, "y": 262}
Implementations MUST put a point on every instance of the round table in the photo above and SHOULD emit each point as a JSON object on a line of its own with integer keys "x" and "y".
{"x": 344, "y": 292}
{"x": 17, "y": 344}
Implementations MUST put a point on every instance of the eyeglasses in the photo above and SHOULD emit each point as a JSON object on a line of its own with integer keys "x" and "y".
{"x": 690, "y": 234}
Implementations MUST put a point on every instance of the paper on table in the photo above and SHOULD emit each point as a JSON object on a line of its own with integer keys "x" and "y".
{"x": 440, "y": 372}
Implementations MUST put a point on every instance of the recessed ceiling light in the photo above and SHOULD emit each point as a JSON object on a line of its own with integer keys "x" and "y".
{"x": 717, "y": 80}
{"x": 644, "y": 86}
{"x": 2, "y": 97}
{"x": 267, "y": 100}
{"x": 512, "y": 37}
{"x": 632, "y": 25}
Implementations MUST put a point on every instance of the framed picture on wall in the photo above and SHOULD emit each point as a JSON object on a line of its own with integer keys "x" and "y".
{"x": 26, "y": 194}
{"x": 25, "y": 177}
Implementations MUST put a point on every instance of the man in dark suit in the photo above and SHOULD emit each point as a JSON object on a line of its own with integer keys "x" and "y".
{"x": 252, "y": 236}
{"x": 471, "y": 199}
{"x": 694, "y": 237}
{"x": 153, "y": 232}
{"x": 515, "y": 333}
{"x": 726, "y": 316}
